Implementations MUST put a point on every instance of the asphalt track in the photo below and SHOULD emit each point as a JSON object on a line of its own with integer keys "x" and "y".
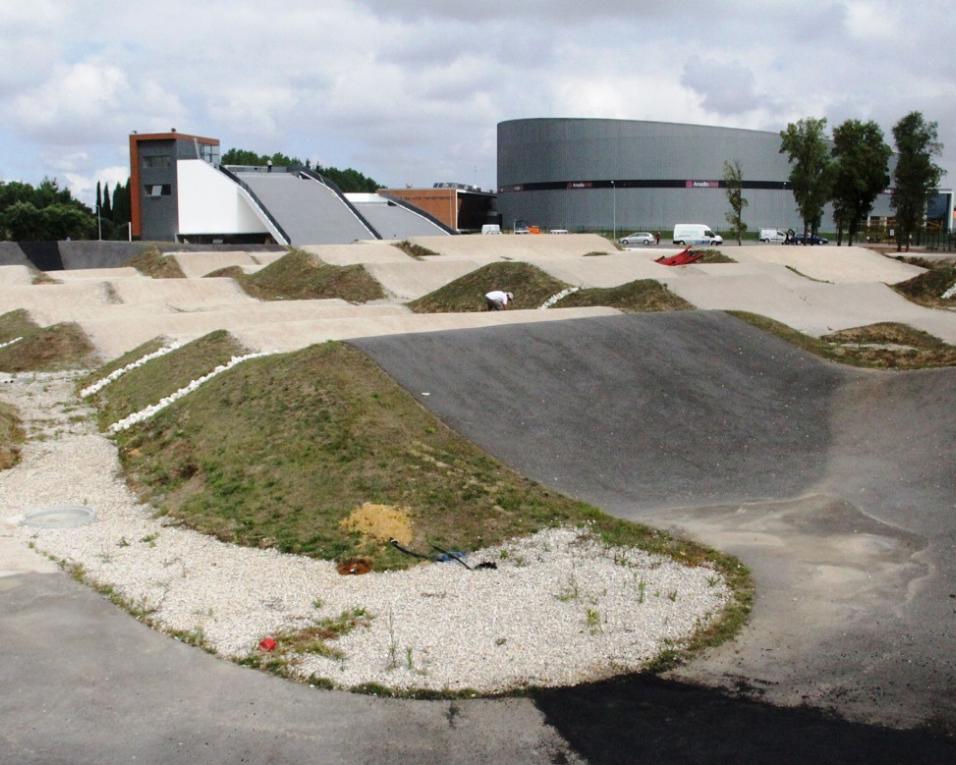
{"x": 835, "y": 485}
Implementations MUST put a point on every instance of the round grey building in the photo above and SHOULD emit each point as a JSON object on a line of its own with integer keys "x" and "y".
{"x": 628, "y": 175}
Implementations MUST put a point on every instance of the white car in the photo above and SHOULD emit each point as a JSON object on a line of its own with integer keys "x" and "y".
{"x": 641, "y": 237}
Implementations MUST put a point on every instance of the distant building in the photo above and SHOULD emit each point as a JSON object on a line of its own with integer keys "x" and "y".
{"x": 459, "y": 206}
{"x": 600, "y": 174}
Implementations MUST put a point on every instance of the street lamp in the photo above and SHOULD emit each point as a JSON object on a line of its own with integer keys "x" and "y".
{"x": 614, "y": 211}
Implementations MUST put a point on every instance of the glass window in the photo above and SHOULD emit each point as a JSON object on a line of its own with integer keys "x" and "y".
{"x": 158, "y": 160}
{"x": 158, "y": 190}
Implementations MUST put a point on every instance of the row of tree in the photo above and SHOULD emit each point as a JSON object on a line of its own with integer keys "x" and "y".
{"x": 114, "y": 210}
{"x": 850, "y": 170}
{"x": 41, "y": 213}
{"x": 853, "y": 173}
{"x": 348, "y": 180}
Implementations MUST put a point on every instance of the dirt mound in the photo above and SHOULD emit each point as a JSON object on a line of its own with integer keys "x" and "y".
{"x": 380, "y": 522}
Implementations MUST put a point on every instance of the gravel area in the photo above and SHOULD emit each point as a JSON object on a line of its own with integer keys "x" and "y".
{"x": 559, "y": 609}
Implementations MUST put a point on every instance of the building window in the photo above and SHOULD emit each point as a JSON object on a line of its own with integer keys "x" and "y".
{"x": 158, "y": 160}
{"x": 158, "y": 190}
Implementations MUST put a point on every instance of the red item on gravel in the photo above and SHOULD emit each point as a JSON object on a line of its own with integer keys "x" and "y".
{"x": 682, "y": 258}
{"x": 267, "y": 643}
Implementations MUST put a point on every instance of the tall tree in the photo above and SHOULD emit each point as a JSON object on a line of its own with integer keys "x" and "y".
{"x": 860, "y": 159}
{"x": 107, "y": 203}
{"x": 916, "y": 176}
{"x": 810, "y": 168}
{"x": 99, "y": 198}
{"x": 734, "y": 185}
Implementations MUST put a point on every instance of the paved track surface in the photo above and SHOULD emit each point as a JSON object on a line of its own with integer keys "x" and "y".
{"x": 836, "y": 486}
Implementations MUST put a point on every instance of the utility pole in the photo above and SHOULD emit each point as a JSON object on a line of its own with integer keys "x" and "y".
{"x": 99, "y": 221}
{"x": 614, "y": 213}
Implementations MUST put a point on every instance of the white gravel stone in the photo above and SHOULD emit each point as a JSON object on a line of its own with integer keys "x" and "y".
{"x": 560, "y": 608}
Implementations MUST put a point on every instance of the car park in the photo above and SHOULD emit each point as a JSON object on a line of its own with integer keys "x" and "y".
{"x": 772, "y": 236}
{"x": 639, "y": 237}
{"x": 695, "y": 233}
{"x": 809, "y": 239}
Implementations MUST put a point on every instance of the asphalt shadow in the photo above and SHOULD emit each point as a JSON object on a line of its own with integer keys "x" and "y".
{"x": 645, "y": 718}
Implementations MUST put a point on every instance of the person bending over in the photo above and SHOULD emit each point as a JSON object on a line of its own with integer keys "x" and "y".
{"x": 496, "y": 300}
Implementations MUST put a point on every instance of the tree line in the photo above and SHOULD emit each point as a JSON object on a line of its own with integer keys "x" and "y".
{"x": 850, "y": 170}
{"x": 348, "y": 180}
{"x": 44, "y": 212}
{"x": 114, "y": 210}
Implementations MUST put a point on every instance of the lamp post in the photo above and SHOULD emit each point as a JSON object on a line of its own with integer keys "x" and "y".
{"x": 99, "y": 220}
{"x": 614, "y": 211}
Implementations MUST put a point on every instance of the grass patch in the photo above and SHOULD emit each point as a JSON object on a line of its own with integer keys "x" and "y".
{"x": 42, "y": 277}
{"x": 118, "y": 363}
{"x": 531, "y": 287}
{"x": 61, "y": 346}
{"x": 637, "y": 296}
{"x": 876, "y": 346}
{"x": 297, "y": 275}
{"x": 315, "y": 638}
{"x": 415, "y": 250}
{"x": 11, "y": 436}
{"x": 149, "y": 383}
{"x": 595, "y": 254}
{"x": 15, "y": 324}
{"x": 927, "y": 288}
{"x": 233, "y": 272}
{"x": 151, "y": 262}
{"x": 714, "y": 256}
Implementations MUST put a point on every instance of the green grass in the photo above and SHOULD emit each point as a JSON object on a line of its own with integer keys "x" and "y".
{"x": 47, "y": 349}
{"x": 151, "y": 262}
{"x": 927, "y": 288}
{"x": 11, "y": 436}
{"x": 15, "y": 324}
{"x": 531, "y": 287}
{"x": 714, "y": 256}
{"x": 285, "y": 447}
{"x": 807, "y": 276}
{"x": 297, "y": 275}
{"x": 118, "y": 363}
{"x": 415, "y": 250}
{"x": 149, "y": 383}
{"x": 885, "y": 345}
{"x": 636, "y": 296}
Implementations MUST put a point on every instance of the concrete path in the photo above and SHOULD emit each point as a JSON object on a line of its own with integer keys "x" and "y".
{"x": 834, "y": 485}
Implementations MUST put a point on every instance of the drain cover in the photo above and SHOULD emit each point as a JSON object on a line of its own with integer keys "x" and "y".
{"x": 59, "y": 517}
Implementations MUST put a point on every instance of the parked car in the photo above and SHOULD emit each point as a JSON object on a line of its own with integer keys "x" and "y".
{"x": 772, "y": 235}
{"x": 695, "y": 233}
{"x": 639, "y": 237}
{"x": 809, "y": 239}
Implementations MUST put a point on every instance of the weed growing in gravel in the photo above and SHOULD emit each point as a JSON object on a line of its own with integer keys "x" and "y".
{"x": 641, "y": 591}
{"x": 150, "y": 539}
{"x": 593, "y": 621}
{"x": 314, "y": 639}
{"x": 672, "y": 596}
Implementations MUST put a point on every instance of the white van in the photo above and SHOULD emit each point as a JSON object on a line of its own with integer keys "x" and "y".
{"x": 491, "y": 228}
{"x": 772, "y": 235}
{"x": 695, "y": 233}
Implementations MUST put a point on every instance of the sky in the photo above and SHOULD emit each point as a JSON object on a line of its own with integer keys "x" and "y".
{"x": 410, "y": 93}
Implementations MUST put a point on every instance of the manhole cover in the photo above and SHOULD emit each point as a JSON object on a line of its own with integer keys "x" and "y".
{"x": 59, "y": 517}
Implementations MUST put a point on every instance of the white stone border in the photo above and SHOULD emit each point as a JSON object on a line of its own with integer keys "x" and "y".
{"x": 89, "y": 390}
{"x": 149, "y": 411}
{"x": 555, "y": 298}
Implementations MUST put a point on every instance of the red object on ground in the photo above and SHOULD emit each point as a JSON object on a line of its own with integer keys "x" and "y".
{"x": 682, "y": 258}
{"x": 267, "y": 643}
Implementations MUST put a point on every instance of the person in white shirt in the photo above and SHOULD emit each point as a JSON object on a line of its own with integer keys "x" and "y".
{"x": 496, "y": 300}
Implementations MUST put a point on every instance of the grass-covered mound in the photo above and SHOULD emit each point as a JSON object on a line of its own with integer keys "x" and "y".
{"x": 298, "y": 275}
{"x": 885, "y": 345}
{"x": 46, "y": 349}
{"x": 416, "y": 251}
{"x": 156, "y": 379}
{"x": 151, "y": 262}
{"x": 531, "y": 287}
{"x": 11, "y": 436}
{"x": 714, "y": 256}
{"x": 927, "y": 288}
{"x": 14, "y": 324}
{"x": 636, "y": 296}
{"x": 119, "y": 362}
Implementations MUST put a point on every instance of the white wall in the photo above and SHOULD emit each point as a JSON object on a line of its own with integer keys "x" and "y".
{"x": 210, "y": 203}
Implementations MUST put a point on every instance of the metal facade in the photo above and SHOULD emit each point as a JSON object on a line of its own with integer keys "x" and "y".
{"x": 587, "y": 174}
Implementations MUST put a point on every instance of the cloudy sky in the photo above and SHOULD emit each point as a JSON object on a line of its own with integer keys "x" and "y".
{"x": 411, "y": 92}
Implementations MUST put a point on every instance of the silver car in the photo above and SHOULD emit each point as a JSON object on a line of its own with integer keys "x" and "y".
{"x": 641, "y": 237}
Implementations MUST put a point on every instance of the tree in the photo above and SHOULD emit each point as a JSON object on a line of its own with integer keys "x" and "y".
{"x": 734, "y": 184}
{"x": 23, "y": 222}
{"x": 916, "y": 176}
{"x": 347, "y": 180}
{"x": 810, "y": 172}
{"x": 860, "y": 159}
{"x": 107, "y": 208}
